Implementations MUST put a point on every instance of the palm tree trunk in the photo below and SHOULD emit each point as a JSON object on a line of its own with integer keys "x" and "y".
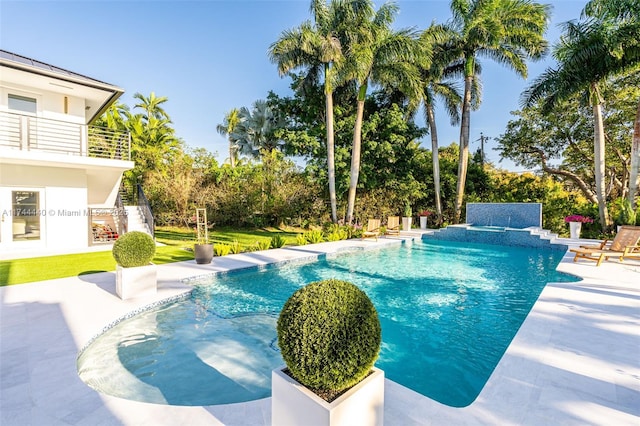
{"x": 634, "y": 173}
{"x": 331, "y": 161}
{"x": 436, "y": 161}
{"x": 355, "y": 154}
{"x": 463, "y": 161}
{"x": 232, "y": 155}
{"x": 599, "y": 160}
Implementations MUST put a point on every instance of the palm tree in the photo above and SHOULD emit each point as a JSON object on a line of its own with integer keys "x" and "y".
{"x": 621, "y": 18}
{"x": 507, "y": 31}
{"x": 588, "y": 53}
{"x": 231, "y": 120}
{"x": 254, "y": 132}
{"x": 316, "y": 47}
{"x": 151, "y": 106}
{"x": 377, "y": 55}
{"x": 436, "y": 80}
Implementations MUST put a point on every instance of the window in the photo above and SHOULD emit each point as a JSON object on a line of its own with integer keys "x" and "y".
{"x": 22, "y": 103}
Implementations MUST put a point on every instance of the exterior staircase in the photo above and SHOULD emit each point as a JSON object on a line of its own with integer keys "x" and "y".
{"x": 136, "y": 220}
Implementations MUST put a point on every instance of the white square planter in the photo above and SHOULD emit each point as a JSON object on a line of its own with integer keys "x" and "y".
{"x": 293, "y": 404}
{"x": 136, "y": 282}
{"x": 423, "y": 222}
{"x": 406, "y": 223}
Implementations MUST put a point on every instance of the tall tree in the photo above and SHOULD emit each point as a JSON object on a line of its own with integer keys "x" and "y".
{"x": 377, "y": 55}
{"x": 316, "y": 47}
{"x": 506, "y": 31}
{"x": 231, "y": 120}
{"x": 588, "y": 53}
{"x": 151, "y": 105}
{"x": 621, "y": 20}
{"x": 437, "y": 83}
{"x": 255, "y": 132}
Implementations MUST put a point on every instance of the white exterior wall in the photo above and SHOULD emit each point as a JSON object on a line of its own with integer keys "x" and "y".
{"x": 64, "y": 208}
{"x": 50, "y": 104}
{"x": 67, "y": 217}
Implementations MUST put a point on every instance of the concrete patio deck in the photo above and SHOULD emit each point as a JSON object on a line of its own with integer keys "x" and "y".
{"x": 574, "y": 361}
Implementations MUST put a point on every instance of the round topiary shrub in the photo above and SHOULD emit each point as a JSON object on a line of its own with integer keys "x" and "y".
{"x": 329, "y": 335}
{"x": 133, "y": 249}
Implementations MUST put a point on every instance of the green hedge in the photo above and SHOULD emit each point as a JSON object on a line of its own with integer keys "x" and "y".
{"x": 329, "y": 335}
{"x": 133, "y": 249}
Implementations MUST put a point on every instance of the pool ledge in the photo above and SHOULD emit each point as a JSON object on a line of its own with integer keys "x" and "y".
{"x": 573, "y": 361}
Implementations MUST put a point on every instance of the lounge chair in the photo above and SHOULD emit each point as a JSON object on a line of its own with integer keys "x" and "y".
{"x": 373, "y": 229}
{"x": 393, "y": 225}
{"x": 626, "y": 244}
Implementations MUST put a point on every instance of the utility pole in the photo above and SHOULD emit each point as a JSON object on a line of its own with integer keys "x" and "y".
{"x": 483, "y": 138}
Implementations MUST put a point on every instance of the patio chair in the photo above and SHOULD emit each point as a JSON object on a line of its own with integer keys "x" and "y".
{"x": 393, "y": 225}
{"x": 626, "y": 244}
{"x": 373, "y": 229}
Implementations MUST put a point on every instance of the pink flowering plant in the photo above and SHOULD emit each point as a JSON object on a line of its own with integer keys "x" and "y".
{"x": 578, "y": 218}
{"x": 425, "y": 213}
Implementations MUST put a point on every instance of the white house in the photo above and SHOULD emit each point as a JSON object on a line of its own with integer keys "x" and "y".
{"x": 59, "y": 175}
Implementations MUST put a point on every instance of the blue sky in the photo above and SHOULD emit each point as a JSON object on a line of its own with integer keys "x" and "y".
{"x": 209, "y": 56}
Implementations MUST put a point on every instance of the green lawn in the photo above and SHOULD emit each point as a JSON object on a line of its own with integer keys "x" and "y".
{"x": 185, "y": 237}
{"x": 178, "y": 241}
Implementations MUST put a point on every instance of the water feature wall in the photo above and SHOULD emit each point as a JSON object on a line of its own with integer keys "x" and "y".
{"x": 533, "y": 238}
{"x": 509, "y": 215}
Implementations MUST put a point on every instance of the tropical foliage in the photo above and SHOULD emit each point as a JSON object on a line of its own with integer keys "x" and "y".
{"x": 350, "y": 122}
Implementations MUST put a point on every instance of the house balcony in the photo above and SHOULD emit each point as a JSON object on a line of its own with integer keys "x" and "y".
{"x": 34, "y": 134}
{"x": 34, "y": 150}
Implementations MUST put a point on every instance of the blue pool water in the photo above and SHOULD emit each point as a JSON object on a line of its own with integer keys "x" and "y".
{"x": 448, "y": 312}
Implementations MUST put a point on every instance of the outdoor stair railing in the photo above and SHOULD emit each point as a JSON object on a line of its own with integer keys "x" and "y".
{"x": 145, "y": 209}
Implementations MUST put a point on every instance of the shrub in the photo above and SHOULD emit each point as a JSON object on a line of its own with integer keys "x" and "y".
{"x": 407, "y": 210}
{"x": 133, "y": 249}
{"x": 263, "y": 245}
{"x": 221, "y": 249}
{"x": 315, "y": 236}
{"x": 234, "y": 247}
{"x": 337, "y": 235}
{"x": 301, "y": 240}
{"x": 277, "y": 241}
{"x": 626, "y": 215}
{"x": 329, "y": 335}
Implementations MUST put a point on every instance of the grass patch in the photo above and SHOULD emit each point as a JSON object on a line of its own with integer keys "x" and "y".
{"x": 21, "y": 271}
{"x": 247, "y": 238}
{"x": 179, "y": 245}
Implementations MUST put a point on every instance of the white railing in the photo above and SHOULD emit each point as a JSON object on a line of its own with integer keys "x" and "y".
{"x": 29, "y": 133}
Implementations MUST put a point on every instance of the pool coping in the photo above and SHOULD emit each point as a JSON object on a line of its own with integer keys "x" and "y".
{"x": 553, "y": 372}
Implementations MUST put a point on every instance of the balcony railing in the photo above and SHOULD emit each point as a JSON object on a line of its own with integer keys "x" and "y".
{"x": 29, "y": 133}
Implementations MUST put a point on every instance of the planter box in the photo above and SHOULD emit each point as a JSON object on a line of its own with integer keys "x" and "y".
{"x": 203, "y": 253}
{"x": 136, "y": 282}
{"x": 406, "y": 223}
{"x": 293, "y": 404}
{"x": 574, "y": 229}
{"x": 423, "y": 222}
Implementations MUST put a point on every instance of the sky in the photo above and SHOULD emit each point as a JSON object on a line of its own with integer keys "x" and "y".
{"x": 210, "y": 56}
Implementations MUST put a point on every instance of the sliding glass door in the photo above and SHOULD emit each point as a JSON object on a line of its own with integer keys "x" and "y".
{"x": 22, "y": 215}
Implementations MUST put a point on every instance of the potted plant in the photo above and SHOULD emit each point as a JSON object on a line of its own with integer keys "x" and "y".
{"x": 135, "y": 274}
{"x": 406, "y": 219}
{"x": 575, "y": 222}
{"x": 202, "y": 249}
{"x": 423, "y": 218}
{"x": 626, "y": 215}
{"x": 329, "y": 337}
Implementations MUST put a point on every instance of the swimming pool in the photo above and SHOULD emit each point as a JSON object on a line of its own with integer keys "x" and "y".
{"x": 448, "y": 312}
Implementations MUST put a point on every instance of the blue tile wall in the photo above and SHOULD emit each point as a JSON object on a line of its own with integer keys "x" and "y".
{"x": 510, "y": 215}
